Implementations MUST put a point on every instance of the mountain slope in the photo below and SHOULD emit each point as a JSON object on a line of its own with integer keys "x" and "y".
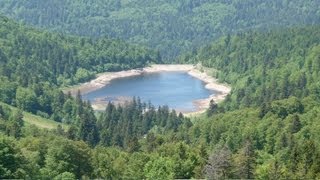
{"x": 169, "y": 26}
{"x": 267, "y": 128}
{"x": 35, "y": 64}
{"x": 28, "y": 53}
{"x": 31, "y": 119}
{"x": 262, "y": 67}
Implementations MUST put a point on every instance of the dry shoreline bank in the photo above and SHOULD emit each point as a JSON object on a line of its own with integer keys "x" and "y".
{"x": 104, "y": 79}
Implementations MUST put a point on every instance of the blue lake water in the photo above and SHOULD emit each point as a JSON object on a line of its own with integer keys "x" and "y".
{"x": 178, "y": 90}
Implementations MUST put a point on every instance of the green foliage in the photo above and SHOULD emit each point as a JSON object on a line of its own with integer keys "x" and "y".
{"x": 26, "y": 99}
{"x": 271, "y": 147}
{"x": 110, "y": 163}
{"x": 15, "y": 125}
{"x": 122, "y": 126}
{"x": 267, "y": 128}
{"x": 184, "y": 159}
{"x": 83, "y": 75}
{"x": 65, "y": 176}
{"x": 30, "y": 56}
{"x": 284, "y": 107}
{"x": 35, "y": 63}
{"x": 136, "y": 164}
{"x": 265, "y": 66}
{"x": 66, "y": 156}
{"x": 159, "y": 168}
{"x": 169, "y": 26}
{"x": 273, "y": 72}
{"x": 268, "y": 121}
{"x": 213, "y": 107}
{"x": 245, "y": 161}
{"x": 11, "y": 160}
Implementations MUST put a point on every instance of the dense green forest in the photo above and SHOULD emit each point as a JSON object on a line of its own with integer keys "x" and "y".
{"x": 264, "y": 67}
{"x": 170, "y": 26}
{"x": 34, "y": 153}
{"x": 267, "y": 128}
{"x": 34, "y": 64}
{"x": 63, "y": 60}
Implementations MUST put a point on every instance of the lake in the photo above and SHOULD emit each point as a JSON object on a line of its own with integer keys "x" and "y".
{"x": 178, "y": 90}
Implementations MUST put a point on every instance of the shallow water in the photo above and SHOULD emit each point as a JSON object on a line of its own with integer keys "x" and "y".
{"x": 178, "y": 90}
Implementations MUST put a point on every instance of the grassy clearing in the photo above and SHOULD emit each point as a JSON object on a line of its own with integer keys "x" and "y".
{"x": 38, "y": 121}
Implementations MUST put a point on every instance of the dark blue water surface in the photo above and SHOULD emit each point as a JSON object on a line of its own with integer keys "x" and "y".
{"x": 178, "y": 90}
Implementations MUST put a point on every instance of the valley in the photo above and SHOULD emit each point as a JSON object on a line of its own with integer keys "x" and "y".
{"x": 139, "y": 89}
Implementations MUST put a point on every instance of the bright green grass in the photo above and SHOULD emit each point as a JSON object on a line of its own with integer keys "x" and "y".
{"x": 38, "y": 121}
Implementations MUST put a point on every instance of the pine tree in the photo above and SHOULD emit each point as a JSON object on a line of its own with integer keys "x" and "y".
{"x": 296, "y": 124}
{"x": 245, "y": 161}
{"x": 88, "y": 129}
{"x": 72, "y": 132}
{"x": 213, "y": 107}
{"x": 15, "y": 124}
{"x": 264, "y": 109}
{"x": 133, "y": 145}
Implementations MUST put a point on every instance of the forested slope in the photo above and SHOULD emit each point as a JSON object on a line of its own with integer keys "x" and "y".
{"x": 34, "y": 64}
{"x": 28, "y": 53}
{"x": 170, "y": 26}
{"x": 267, "y": 66}
{"x": 268, "y": 127}
{"x": 117, "y": 144}
{"x": 271, "y": 136}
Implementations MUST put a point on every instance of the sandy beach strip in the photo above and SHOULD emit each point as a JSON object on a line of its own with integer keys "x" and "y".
{"x": 103, "y": 79}
{"x": 222, "y": 90}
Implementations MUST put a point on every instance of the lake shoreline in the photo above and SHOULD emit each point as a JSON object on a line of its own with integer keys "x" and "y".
{"x": 103, "y": 79}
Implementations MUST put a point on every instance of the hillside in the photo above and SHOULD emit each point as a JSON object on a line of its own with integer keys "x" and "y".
{"x": 268, "y": 126}
{"x": 61, "y": 59}
{"x": 38, "y": 121}
{"x": 266, "y": 129}
{"x": 169, "y": 26}
{"x": 35, "y": 64}
{"x": 263, "y": 67}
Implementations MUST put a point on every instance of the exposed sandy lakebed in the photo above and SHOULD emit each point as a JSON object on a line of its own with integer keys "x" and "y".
{"x": 103, "y": 79}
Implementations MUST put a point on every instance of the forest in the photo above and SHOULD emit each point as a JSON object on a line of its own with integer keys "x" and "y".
{"x": 266, "y": 128}
{"x": 35, "y": 64}
{"x": 173, "y": 27}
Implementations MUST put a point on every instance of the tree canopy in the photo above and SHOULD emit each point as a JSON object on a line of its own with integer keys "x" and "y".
{"x": 267, "y": 127}
{"x": 170, "y": 26}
